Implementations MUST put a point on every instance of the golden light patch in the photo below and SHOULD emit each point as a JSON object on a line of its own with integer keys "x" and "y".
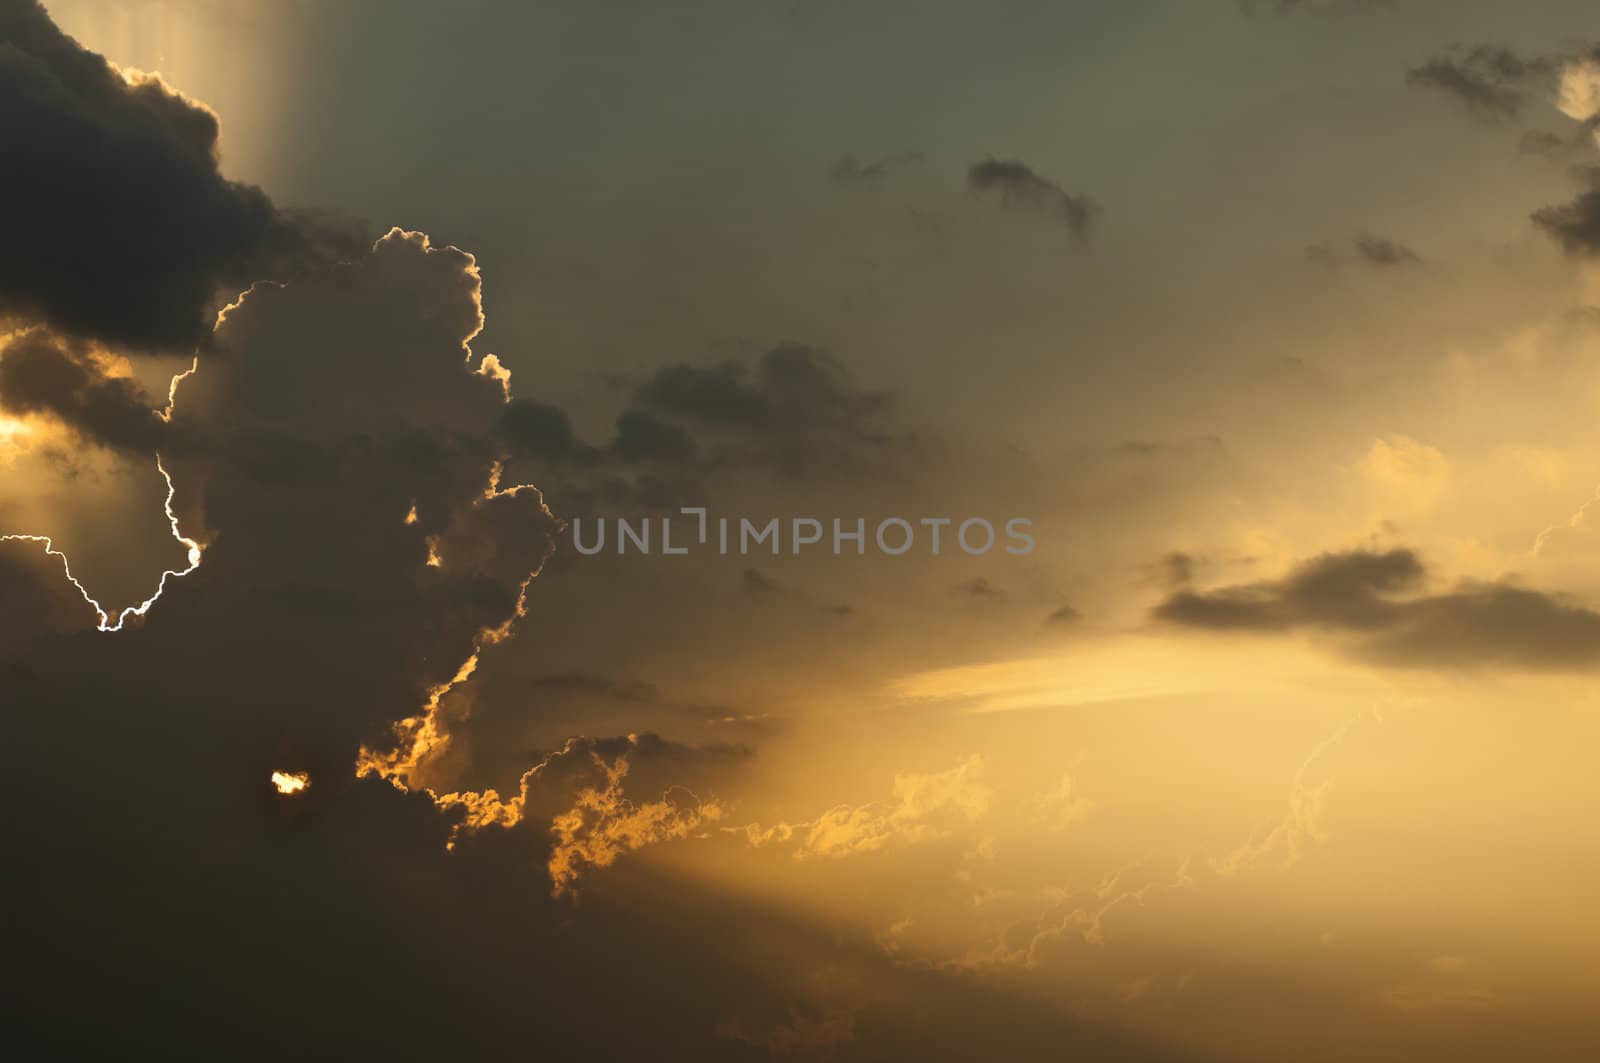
{"x": 291, "y": 782}
{"x": 1406, "y": 471}
{"x": 13, "y": 435}
{"x": 1578, "y": 96}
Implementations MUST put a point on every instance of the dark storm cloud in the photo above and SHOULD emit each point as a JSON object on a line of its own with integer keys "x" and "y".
{"x": 1020, "y": 187}
{"x": 119, "y": 225}
{"x": 40, "y": 374}
{"x": 1488, "y": 80}
{"x": 1376, "y": 601}
{"x": 1576, "y": 225}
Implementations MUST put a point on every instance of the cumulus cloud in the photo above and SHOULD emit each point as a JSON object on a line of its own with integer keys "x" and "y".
{"x": 1020, "y": 187}
{"x": 1375, "y": 602}
{"x": 119, "y": 224}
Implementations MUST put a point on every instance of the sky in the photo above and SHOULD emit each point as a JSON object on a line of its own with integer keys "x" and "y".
{"x": 1265, "y": 336}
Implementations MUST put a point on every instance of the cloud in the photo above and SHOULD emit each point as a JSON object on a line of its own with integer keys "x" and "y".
{"x": 925, "y": 807}
{"x": 119, "y": 224}
{"x": 1487, "y": 80}
{"x": 794, "y": 388}
{"x": 1379, "y": 252}
{"x": 602, "y": 825}
{"x": 1578, "y": 94}
{"x": 1021, "y": 188}
{"x": 36, "y": 597}
{"x": 67, "y": 381}
{"x": 1374, "y": 602}
{"x": 642, "y": 436}
{"x": 1407, "y": 472}
{"x": 795, "y": 414}
{"x": 540, "y": 430}
{"x": 755, "y": 582}
{"x": 1177, "y": 568}
{"x": 1576, "y": 225}
{"x": 1064, "y": 616}
{"x": 1058, "y": 808}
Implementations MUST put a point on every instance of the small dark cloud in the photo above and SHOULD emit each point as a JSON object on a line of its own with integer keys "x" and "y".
{"x": 41, "y": 374}
{"x": 1488, "y": 81}
{"x": 1177, "y": 569}
{"x": 1063, "y": 616}
{"x": 1020, "y": 187}
{"x": 979, "y": 588}
{"x": 1380, "y": 252}
{"x": 1375, "y": 601}
{"x": 1576, "y": 225}
{"x": 849, "y": 169}
{"x": 754, "y": 582}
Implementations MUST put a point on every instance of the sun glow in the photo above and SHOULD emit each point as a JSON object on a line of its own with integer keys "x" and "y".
{"x": 13, "y": 436}
{"x": 291, "y": 782}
